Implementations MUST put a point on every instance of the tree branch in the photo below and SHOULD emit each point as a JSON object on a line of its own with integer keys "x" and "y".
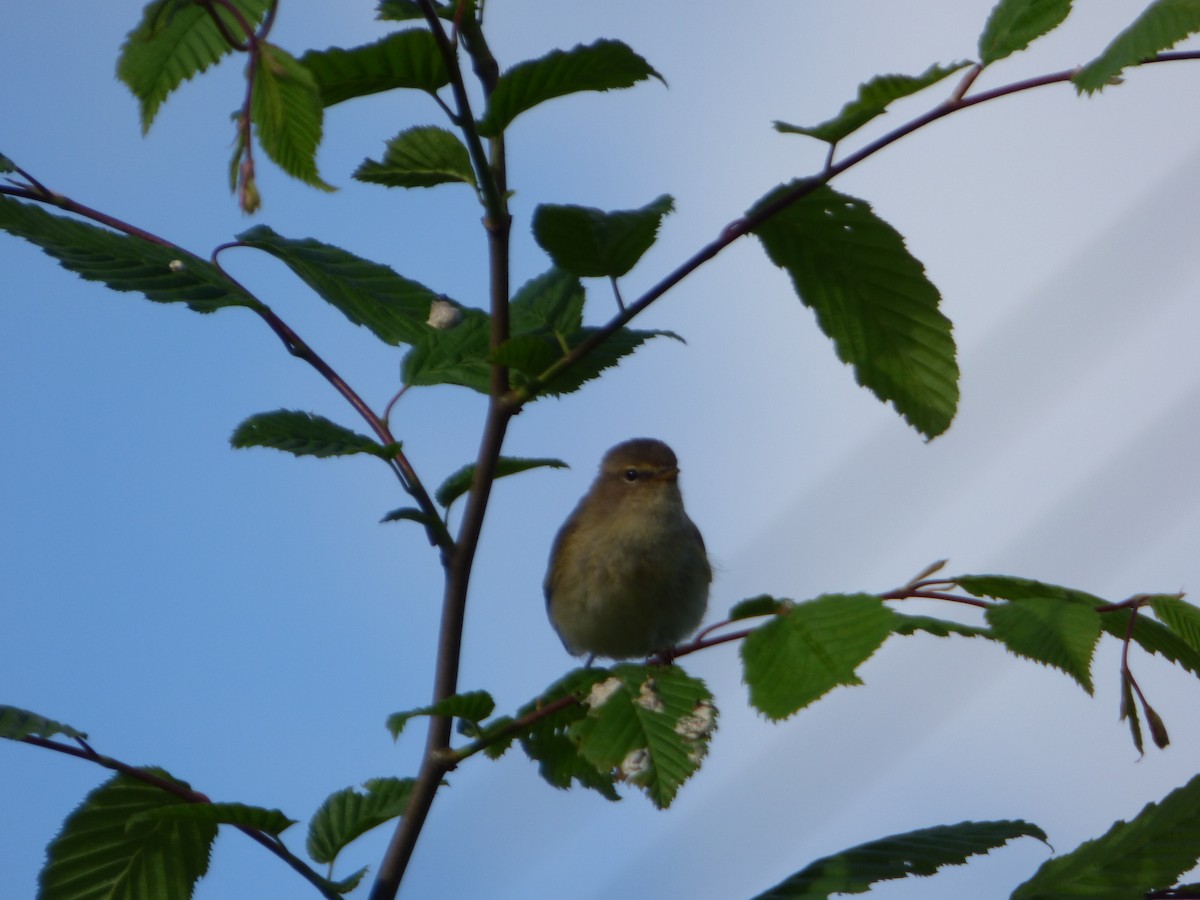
{"x": 189, "y": 796}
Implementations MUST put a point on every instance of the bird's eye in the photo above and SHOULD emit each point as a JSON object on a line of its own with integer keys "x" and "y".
{"x": 631, "y": 474}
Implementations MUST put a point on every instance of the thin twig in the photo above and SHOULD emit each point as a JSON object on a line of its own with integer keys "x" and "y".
{"x": 743, "y": 226}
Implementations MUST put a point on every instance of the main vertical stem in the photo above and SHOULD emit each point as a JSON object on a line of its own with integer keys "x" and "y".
{"x": 460, "y": 562}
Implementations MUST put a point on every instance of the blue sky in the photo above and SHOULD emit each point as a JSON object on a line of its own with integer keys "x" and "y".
{"x": 240, "y": 618}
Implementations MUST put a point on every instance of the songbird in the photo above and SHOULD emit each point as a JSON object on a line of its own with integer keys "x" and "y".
{"x": 628, "y": 574}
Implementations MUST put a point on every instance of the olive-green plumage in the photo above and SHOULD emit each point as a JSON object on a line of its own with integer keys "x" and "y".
{"x": 628, "y": 572}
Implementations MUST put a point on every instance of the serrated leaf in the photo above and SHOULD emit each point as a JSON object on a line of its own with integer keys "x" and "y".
{"x": 16, "y": 723}
{"x": 286, "y": 109}
{"x": 593, "y": 243}
{"x": 100, "y": 854}
{"x": 528, "y": 356}
{"x": 420, "y": 157}
{"x": 474, "y": 706}
{"x": 269, "y": 821}
{"x": 546, "y": 742}
{"x": 600, "y": 66}
{"x": 460, "y": 482}
{"x": 1132, "y": 858}
{"x": 349, "y": 814}
{"x": 1050, "y": 631}
{"x": 1161, "y": 26}
{"x": 122, "y": 262}
{"x": 762, "y": 605}
{"x": 907, "y": 624}
{"x": 920, "y": 852}
{"x": 1182, "y": 618}
{"x": 872, "y": 298}
{"x": 873, "y": 99}
{"x": 1014, "y": 24}
{"x": 801, "y": 655}
{"x": 174, "y": 41}
{"x": 1148, "y": 634}
{"x": 458, "y": 355}
{"x": 404, "y": 59}
{"x": 303, "y": 434}
{"x": 550, "y": 303}
{"x": 367, "y": 293}
{"x": 649, "y": 724}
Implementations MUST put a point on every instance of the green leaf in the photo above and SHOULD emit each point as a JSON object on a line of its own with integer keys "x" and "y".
{"x": 1131, "y": 858}
{"x": 367, "y": 293}
{"x": 1148, "y": 634}
{"x": 593, "y": 243}
{"x": 473, "y": 706}
{"x": 269, "y": 821}
{"x": 906, "y": 624}
{"x": 600, "y": 66}
{"x": 460, "y": 482}
{"x": 124, "y": 263}
{"x": 1182, "y": 618}
{"x": 347, "y": 884}
{"x": 402, "y": 10}
{"x": 457, "y": 355}
{"x": 1015, "y": 24}
{"x": 529, "y": 356}
{"x": 873, "y": 99}
{"x": 920, "y": 852}
{"x": 872, "y": 297}
{"x": 1050, "y": 631}
{"x": 403, "y": 59}
{"x": 304, "y": 434}
{"x": 16, "y": 723}
{"x": 650, "y": 725}
{"x": 551, "y": 303}
{"x": 174, "y": 41}
{"x": 801, "y": 655}
{"x": 6, "y": 164}
{"x": 1161, "y": 25}
{"x": 409, "y": 513}
{"x": 547, "y": 743}
{"x": 420, "y": 157}
{"x": 348, "y": 814}
{"x": 763, "y": 605}
{"x": 103, "y": 852}
{"x": 285, "y": 107}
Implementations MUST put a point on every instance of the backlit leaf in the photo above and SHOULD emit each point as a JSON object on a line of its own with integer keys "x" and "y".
{"x": 802, "y": 654}
{"x": 175, "y": 40}
{"x": 594, "y": 243}
{"x": 104, "y": 852}
{"x": 285, "y": 107}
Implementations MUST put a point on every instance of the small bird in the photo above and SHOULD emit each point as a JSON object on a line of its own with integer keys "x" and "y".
{"x": 628, "y": 574}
